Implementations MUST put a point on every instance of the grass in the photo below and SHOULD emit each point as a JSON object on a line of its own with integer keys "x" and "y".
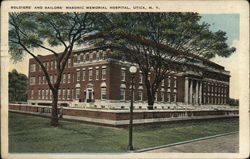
{"x": 33, "y": 134}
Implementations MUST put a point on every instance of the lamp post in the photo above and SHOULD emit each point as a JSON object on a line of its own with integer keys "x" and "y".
{"x": 132, "y": 71}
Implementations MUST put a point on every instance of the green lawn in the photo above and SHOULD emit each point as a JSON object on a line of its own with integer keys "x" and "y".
{"x": 33, "y": 134}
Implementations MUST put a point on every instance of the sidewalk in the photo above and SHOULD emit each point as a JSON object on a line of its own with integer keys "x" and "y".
{"x": 222, "y": 144}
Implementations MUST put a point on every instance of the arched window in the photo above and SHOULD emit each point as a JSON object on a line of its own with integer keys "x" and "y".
{"x": 103, "y": 91}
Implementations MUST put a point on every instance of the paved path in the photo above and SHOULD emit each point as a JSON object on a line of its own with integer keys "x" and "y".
{"x": 222, "y": 144}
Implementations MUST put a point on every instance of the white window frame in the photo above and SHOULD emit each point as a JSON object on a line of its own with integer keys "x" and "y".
{"x": 83, "y": 75}
{"x": 97, "y": 74}
{"x": 169, "y": 81}
{"x": 32, "y": 94}
{"x": 140, "y": 95}
{"x": 78, "y": 75}
{"x": 32, "y": 67}
{"x": 104, "y": 73}
{"x": 141, "y": 78}
{"x": 69, "y": 78}
{"x": 103, "y": 93}
{"x": 174, "y": 97}
{"x": 77, "y": 96}
{"x": 90, "y": 74}
{"x": 123, "y": 75}
{"x": 162, "y": 83}
{"x": 122, "y": 90}
{"x": 78, "y": 59}
{"x": 168, "y": 97}
{"x": 68, "y": 94}
{"x": 162, "y": 96}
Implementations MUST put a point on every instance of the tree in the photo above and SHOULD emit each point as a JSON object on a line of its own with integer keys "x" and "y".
{"x": 157, "y": 42}
{"x": 46, "y": 31}
{"x": 17, "y": 86}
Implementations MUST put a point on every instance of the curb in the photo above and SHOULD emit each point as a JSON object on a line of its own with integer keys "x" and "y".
{"x": 183, "y": 142}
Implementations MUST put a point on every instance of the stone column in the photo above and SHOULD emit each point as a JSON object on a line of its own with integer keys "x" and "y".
{"x": 191, "y": 92}
{"x": 197, "y": 93}
{"x": 186, "y": 91}
{"x": 200, "y": 93}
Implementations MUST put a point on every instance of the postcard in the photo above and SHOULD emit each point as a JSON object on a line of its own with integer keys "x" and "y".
{"x": 124, "y": 79}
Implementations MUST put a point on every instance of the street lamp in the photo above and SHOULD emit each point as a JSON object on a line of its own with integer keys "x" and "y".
{"x": 132, "y": 71}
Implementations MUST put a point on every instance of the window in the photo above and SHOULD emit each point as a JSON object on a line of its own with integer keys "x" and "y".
{"x": 32, "y": 94}
{"x": 104, "y": 55}
{"x": 156, "y": 96}
{"x": 103, "y": 93}
{"x": 72, "y": 93}
{"x": 68, "y": 94}
{"x": 50, "y": 93}
{"x": 90, "y": 57}
{"x": 83, "y": 75}
{"x": 97, "y": 74}
{"x": 51, "y": 78}
{"x": 39, "y": 94}
{"x": 59, "y": 94}
{"x": 175, "y": 83}
{"x": 55, "y": 65}
{"x": 32, "y": 67}
{"x": 84, "y": 58}
{"x": 162, "y": 96}
{"x": 104, "y": 73}
{"x": 122, "y": 94}
{"x": 97, "y": 56}
{"x": 64, "y": 94}
{"x": 45, "y": 65}
{"x": 64, "y": 78}
{"x": 90, "y": 75}
{"x": 54, "y": 78}
{"x": 140, "y": 78}
{"x": 69, "y": 62}
{"x": 122, "y": 75}
{"x": 162, "y": 82}
{"x": 168, "y": 97}
{"x": 32, "y": 80}
{"x": 78, "y": 76}
{"x": 169, "y": 81}
{"x": 43, "y": 93}
{"x": 77, "y": 93}
{"x": 69, "y": 79}
{"x": 47, "y": 94}
{"x": 87, "y": 57}
{"x": 140, "y": 95}
{"x": 51, "y": 65}
{"x": 174, "y": 97}
{"x": 78, "y": 58}
{"x": 44, "y": 80}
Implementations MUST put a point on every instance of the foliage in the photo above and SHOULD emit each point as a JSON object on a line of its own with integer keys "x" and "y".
{"x": 32, "y": 134}
{"x": 46, "y": 31}
{"x": 17, "y": 86}
{"x": 156, "y": 42}
{"x": 233, "y": 102}
{"x": 181, "y": 31}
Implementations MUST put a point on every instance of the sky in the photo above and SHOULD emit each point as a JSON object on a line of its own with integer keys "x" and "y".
{"x": 228, "y": 23}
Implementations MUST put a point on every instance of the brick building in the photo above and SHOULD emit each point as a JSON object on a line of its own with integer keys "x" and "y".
{"x": 92, "y": 79}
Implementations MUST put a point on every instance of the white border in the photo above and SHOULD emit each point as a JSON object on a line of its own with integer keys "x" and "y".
{"x": 240, "y": 7}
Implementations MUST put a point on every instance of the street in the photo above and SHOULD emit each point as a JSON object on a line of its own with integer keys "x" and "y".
{"x": 222, "y": 144}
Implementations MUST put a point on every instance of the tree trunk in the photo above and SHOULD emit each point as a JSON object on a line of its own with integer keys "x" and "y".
{"x": 150, "y": 103}
{"x": 54, "y": 114}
